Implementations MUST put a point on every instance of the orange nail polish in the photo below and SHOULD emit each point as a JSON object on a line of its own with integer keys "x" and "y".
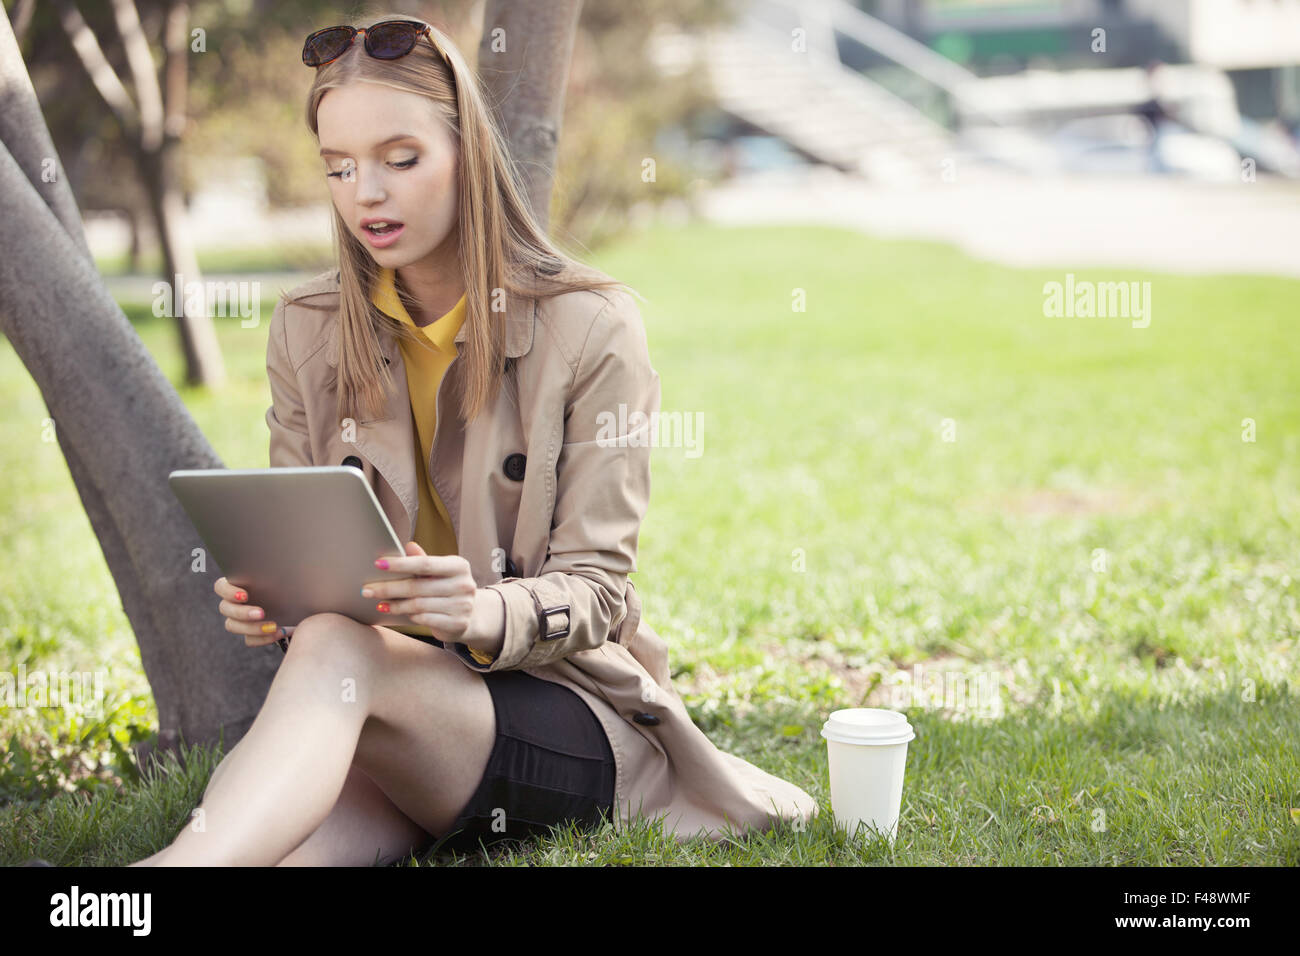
{"x": 382, "y": 607}
{"x": 241, "y": 596}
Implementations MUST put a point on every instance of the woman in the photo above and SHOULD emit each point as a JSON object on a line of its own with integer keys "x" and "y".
{"x": 497, "y": 396}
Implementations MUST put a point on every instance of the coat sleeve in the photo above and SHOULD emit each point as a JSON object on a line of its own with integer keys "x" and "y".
{"x": 577, "y": 599}
{"x": 286, "y": 418}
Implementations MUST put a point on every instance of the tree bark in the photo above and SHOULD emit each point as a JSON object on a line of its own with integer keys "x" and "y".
{"x": 525, "y": 83}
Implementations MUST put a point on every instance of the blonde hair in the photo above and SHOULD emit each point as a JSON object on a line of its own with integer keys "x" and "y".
{"x": 501, "y": 242}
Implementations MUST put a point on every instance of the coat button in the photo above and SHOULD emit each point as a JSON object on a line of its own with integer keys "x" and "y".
{"x": 352, "y": 461}
{"x": 514, "y": 466}
{"x": 512, "y": 570}
{"x": 649, "y": 720}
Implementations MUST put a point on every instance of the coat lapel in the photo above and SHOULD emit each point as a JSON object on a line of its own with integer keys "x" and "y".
{"x": 388, "y": 442}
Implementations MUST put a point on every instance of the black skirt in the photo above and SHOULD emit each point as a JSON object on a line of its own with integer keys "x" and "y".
{"x": 551, "y": 764}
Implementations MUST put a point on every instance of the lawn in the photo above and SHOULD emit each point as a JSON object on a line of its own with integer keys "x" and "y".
{"x": 1068, "y": 548}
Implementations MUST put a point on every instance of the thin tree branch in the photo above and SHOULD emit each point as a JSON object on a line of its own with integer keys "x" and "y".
{"x": 100, "y": 71}
{"x": 175, "y": 67}
{"x": 23, "y": 18}
{"x": 144, "y": 73}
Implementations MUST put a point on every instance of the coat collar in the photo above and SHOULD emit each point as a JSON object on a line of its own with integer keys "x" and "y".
{"x": 520, "y": 314}
{"x": 440, "y": 332}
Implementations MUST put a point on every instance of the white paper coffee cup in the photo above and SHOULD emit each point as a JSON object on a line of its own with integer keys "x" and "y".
{"x": 867, "y": 752}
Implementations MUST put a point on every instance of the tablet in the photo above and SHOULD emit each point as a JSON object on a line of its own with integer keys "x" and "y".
{"x": 300, "y": 541}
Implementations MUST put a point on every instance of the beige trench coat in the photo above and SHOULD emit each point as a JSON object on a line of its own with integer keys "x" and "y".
{"x": 535, "y": 489}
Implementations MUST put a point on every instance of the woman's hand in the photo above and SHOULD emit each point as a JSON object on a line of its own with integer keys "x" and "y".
{"x": 441, "y": 595}
{"x": 243, "y": 618}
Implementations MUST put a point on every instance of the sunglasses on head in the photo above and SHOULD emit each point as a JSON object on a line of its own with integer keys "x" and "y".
{"x": 387, "y": 40}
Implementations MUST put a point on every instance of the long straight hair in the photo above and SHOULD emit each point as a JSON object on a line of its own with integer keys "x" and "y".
{"x": 501, "y": 243}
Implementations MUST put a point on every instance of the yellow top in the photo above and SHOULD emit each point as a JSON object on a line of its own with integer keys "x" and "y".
{"x": 424, "y": 370}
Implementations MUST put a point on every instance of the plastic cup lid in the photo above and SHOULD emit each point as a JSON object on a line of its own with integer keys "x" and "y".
{"x": 868, "y": 725}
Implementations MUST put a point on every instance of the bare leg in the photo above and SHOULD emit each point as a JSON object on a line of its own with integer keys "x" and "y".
{"x": 363, "y": 829}
{"x": 410, "y": 715}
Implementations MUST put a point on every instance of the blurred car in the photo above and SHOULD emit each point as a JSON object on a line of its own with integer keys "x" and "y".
{"x": 1182, "y": 152}
{"x": 1114, "y": 143}
{"x": 1128, "y": 143}
{"x": 1270, "y": 146}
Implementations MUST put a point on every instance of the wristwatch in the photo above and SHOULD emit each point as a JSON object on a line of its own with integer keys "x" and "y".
{"x": 284, "y": 641}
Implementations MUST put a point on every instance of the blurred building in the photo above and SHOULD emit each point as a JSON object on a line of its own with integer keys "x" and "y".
{"x": 906, "y": 90}
{"x": 1255, "y": 42}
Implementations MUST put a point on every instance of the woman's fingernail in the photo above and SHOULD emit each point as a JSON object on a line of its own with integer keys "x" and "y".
{"x": 382, "y": 607}
{"x": 257, "y": 614}
{"x": 381, "y": 563}
{"x": 366, "y": 592}
{"x": 268, "y": 627}
{"x": 241, "y": 596}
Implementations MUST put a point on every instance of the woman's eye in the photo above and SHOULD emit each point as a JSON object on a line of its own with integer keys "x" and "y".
{"x": 343, "y": 173}
{"x": 347, "y": 173}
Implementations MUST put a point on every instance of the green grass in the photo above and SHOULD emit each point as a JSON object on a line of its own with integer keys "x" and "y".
{"x": 1098, "y": 544}
{"x": 307, "y": 257}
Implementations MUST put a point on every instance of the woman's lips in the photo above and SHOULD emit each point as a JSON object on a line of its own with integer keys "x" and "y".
{"x": 386, "y": 239}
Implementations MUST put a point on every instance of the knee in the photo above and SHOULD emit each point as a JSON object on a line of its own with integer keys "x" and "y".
{"x": 330, "y": 636}
{"x": 325, "y": 622}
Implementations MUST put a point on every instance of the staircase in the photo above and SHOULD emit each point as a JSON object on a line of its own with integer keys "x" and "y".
{"x": 823, "y": 109}
{"x": 810, "y": 99}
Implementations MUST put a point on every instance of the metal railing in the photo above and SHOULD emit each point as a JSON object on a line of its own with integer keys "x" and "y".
{"x": 942, "y": 90}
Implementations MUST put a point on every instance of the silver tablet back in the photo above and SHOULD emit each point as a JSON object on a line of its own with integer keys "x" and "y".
{"x": 301, "y": 541}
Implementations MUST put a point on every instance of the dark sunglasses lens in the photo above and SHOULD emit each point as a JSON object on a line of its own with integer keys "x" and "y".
{"x": 391, "y": 39}
{"x": 326, "y": 45}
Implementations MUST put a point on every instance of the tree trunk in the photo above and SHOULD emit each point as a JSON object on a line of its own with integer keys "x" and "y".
{"x": 122, "y": 429}
{"x": 120, "y": 423}
{"x": 204, "y": 364}
{"x": 135, "y": 218}
{"x": 203, "y": 361}
{"x": 528, "y": 90}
